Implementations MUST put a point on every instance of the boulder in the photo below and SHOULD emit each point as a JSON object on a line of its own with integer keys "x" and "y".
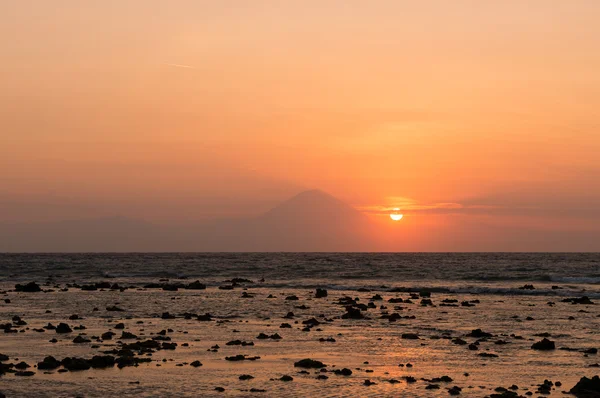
{"x": 63, "y": 328}
{"x": 309, "y": 364}
{"x": 587, "y": 388}
{"x": 544, "y": 345}
{"x": 30, "y": 287}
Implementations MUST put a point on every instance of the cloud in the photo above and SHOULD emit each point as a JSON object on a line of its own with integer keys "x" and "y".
{"x": 409, "y": 206}
{"x": 181, "y": 66}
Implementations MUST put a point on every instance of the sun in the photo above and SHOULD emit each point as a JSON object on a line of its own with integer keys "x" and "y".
{"x": 395, "y": 215}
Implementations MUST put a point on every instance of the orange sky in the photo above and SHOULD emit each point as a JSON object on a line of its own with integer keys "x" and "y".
{"x": 182, "y": 110}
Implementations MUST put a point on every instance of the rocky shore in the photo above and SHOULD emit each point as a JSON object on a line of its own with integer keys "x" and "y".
{"x": 222, "y": 333}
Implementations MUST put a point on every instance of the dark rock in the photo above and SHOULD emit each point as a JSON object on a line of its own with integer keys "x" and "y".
{"x": 241, "y": 357}
{"x": 30, "y": 287}
{"x": 246, "y": 377}
{"x": 114, "y": 308}
{"x": 309, "y": 364}
{"x": 49, "y": 363}
{"x": 488, "y": 355}
{"x": 343, "y": 372}
{"x": 239, "y": 342}
{"x": 286, "y": 378}
{"x": 581, "y": 300}
{"x": 527, "y": 287}
{"x": 22, "y": 365}
{"x": 102, "y": 361}
{"x": 75, "y": 364}
{"x": 353, "y": 313}
{"x": 410, "y": 336}
{"x": 320, "y": 293}
{"x": 478, "y": 333}
{"x": 544, "y": 345}
{"x": 80, "y": 340}
{"x": 127, "y": 336}
{"x": 196, "y": 364}
{"x": 205, "y": 318}
{"x": 587, "y": 388}
{"x": 263, "y": 336}
{"x": 25, "y": 373}
{"x": 63, "y": 328}
{"x": 196, "y": 285}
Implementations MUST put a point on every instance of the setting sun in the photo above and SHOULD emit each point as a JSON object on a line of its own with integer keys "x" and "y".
{"x": 395, "y": 215}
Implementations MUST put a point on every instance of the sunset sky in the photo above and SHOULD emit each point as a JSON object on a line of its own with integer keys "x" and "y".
{"x": 461, "y": 113}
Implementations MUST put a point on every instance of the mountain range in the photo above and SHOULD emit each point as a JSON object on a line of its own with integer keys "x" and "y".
{"x": 310, "y": 221}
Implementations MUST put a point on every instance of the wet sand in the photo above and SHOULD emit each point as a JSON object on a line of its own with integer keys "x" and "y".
{"x": 371, "y": 343}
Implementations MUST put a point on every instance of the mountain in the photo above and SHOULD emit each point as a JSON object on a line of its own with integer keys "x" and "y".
{"x": 310, "y": 221}
{"x": 313, "y": 221}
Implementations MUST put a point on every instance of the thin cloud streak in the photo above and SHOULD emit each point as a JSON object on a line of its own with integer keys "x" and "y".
{"x": 181, "y": 66}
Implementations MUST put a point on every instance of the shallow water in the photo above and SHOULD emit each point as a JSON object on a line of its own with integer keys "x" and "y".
{"x": 502, "y": 310}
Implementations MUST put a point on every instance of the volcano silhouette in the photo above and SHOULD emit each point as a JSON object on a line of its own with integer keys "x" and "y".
{"x": 310, "y": 221}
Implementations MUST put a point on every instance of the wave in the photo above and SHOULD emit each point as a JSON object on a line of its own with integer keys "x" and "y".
{"x": 591, "y": 280}
{"x": 458, "y": 289}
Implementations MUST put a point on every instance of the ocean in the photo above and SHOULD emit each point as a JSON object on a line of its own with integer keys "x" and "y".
{"x": 457, "y": 272}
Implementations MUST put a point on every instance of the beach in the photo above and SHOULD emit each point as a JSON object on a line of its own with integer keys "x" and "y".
{"x": 251, "y": 322}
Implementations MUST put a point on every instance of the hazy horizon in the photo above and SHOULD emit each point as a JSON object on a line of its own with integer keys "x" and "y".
{"x": 480, "y": 121}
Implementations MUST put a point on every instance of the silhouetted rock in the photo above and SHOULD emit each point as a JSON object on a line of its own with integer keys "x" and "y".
{"x": 410, "y": 336}
{"x": 80, "y": 339}
{"x": 30, "y": 287}
{"x": 587, "y": 388}
{"x": 102, "y": 361}
{"x": 320, "y": 293}
{"x": 196, "y": 285}
{"x": 352, "y": 313}
{"x": 343, "y": 372}
{"x": 49, "y": 363}
{"x": 527, "y": 287}
{"x": 75, "y": 364}
{"x": 580, "y": 300}
{"x": 127, "y": 336}
{"x": 63, "y": 328}
{"x": 543, "y": 345}
{"x": 309, "y": 364}
{"x": 478, "y": 333}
